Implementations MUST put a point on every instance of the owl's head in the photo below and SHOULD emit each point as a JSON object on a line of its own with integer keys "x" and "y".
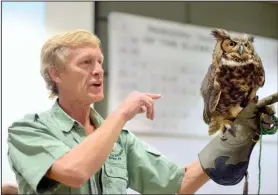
{"x": 235, "y": 48}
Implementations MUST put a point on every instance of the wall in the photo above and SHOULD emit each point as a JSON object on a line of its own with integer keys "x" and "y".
{"x": 235, "y": 16}
{"x": 20, "y": 67}
{"x": 61, "y": 16}
{"x": 25, "y": 28}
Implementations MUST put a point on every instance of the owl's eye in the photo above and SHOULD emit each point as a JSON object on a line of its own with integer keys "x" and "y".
{"x": 246, "y": 45}
{"x": 232, "y": 43}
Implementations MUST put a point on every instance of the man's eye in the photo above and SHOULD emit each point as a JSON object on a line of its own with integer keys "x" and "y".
{"x": 87, "y": 62}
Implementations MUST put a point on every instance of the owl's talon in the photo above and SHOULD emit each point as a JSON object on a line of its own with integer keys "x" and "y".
{"x": 232, "y": 132}
{"x": 229, "y": 129}
{"x": 257, "y": 98}
{"x": 227, "y": 126}
{"x": 223, "y": 138}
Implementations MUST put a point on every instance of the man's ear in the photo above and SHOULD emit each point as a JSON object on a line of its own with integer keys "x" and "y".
{"x": 54, "y": 74}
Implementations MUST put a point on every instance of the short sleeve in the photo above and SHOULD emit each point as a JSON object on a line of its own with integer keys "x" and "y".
{"x": 149, "y": 171}
{"x": 32, "y": 149}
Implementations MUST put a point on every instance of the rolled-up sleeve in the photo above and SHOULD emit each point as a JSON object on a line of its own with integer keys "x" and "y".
{"x": 32, "y": 149}
{"x": 149, "y": 171}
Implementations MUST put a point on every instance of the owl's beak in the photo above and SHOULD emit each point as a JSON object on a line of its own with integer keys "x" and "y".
{"x": 240, "y": 50}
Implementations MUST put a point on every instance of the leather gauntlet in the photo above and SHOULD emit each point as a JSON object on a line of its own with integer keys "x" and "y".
{"x": 226, "y": 158}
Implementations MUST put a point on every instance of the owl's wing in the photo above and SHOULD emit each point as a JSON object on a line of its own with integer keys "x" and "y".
{"x": 209, "y": 93}
{"x": 260, "y": 71}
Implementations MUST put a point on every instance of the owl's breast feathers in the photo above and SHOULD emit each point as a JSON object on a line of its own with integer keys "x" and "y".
{"x": 237, "y": 83}
{"x": 235, "y": 86}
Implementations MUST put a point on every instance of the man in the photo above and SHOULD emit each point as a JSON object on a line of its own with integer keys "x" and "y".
{"x": 71, "y": 149}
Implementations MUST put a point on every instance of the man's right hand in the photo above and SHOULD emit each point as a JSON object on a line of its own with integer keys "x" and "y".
{"x": 136, "y": 103}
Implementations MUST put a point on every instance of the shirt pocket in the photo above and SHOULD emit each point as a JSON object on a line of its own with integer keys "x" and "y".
{"x": 115, "y": 179}
{"x": 152, "y": 151}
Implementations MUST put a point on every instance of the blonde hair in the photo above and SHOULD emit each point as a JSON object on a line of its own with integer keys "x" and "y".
{"x": 55, "y": 50}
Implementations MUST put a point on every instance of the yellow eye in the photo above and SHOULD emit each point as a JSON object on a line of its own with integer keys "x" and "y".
{"x": 232, "y": 44}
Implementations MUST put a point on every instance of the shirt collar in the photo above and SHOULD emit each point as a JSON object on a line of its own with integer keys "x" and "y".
{"x": 66, "y": 122}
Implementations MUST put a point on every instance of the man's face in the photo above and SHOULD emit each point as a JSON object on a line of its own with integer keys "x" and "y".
{"x": 81, "y": 79}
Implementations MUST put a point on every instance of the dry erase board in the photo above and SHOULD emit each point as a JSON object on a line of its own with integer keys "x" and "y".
{"x": 158, "y": 56}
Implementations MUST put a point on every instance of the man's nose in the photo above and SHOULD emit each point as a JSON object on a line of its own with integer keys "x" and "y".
{"x": 98, "y": 70}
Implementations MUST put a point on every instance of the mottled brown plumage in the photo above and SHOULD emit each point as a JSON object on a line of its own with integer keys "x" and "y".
{"x": 232, "y": 80}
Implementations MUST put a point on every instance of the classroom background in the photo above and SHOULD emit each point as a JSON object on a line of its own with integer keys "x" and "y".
{"x": 162, "y": 47}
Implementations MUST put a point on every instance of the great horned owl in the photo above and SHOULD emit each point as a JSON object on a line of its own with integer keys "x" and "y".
{"x": 232, "y": 80}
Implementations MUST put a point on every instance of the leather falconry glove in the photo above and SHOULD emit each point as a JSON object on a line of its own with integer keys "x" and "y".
{"x": 226, "y": 158}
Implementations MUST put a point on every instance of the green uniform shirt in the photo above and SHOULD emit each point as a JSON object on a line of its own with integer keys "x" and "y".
{"x": 37, "y": 140}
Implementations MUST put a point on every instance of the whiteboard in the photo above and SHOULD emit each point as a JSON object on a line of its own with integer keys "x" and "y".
{"x": 158, "y": 56}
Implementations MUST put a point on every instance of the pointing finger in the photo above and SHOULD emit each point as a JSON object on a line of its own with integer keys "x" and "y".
{"x": 153, "y": 96}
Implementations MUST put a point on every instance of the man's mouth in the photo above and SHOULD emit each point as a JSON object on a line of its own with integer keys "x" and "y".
{"x": 96, "y": 84}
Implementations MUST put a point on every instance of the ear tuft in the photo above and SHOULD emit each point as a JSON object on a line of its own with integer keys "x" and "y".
{"x": 220, "y": 34}
{"x": 251, "y": 38}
